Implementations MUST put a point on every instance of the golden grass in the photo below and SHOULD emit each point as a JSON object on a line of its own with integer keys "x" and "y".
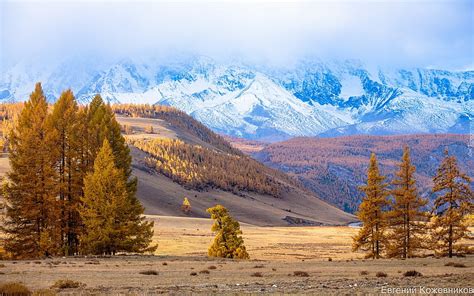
{"x": 192, "y": 236}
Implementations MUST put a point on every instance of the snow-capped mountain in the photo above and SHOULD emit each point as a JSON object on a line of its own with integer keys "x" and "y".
{"x": 309, "y": 98}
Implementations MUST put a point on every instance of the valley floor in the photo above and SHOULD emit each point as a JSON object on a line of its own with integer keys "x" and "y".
{"x": 182, "y": 266}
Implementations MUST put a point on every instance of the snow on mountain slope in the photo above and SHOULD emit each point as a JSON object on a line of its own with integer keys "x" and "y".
{"x": 311, "y": 97}
{"x": 263, "y": 109}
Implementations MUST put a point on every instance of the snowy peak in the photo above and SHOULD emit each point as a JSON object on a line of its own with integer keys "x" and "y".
{"x": 311, "y": 97}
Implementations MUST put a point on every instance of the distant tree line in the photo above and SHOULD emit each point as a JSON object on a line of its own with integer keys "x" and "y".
{"x": 334, "y": 167}
{"x": 177, "y": 119}
{"x": 394, "y": 223}
{"x": 201, "y": 168}
{"x": 70, "y": 189}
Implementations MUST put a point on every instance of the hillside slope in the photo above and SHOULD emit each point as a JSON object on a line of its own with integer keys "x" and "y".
{"x": 333, "y": 168}
{"x": 162, "y": 196}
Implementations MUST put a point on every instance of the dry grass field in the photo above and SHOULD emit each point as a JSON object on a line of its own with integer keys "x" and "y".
{"x": 284, "y": 260}
{"x": 177, "y": 236}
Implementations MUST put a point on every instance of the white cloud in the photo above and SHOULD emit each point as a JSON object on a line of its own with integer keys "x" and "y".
{"x": 420, "y": 33}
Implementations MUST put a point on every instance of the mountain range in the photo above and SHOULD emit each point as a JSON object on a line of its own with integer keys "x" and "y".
{"x": 310, "y": 97}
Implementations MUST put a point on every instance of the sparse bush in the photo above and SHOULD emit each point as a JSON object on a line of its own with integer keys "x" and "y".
{"x": 364, "y": 272}
{"x": 329, "y": 259}
{"x": 381, "y": 274}
{"x": 37, "y": 262}
{"x": 412, "y": 273}
{"x": 193, "y": 273}
{"x": 212, "y": 267}
{"x": 2, "y": 265}
{"x": 274, "y": 269}
{"x": 164, "y": 263}
{"x": 454, "y": 264}
{"x": 14, "y": 288}
{"x": 67, "y": 284}
{"x": 301, "y": 273}
{"x": 258, "y": 266}
{"x": 149, "y": 272}
{"x": 257, "y": 274}
{"x": 149, "y": 129}
{"x": 204, "y": 271}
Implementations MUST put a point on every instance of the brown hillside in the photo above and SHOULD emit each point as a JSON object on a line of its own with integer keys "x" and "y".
{"x": 163, "y": 196}
{"x": 333, "y": 168}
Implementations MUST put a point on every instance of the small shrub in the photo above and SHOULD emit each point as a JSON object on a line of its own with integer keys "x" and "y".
{"x": 205, "y": 271}
{"x": 67, "y": 284}
{"x": 274, "y": 269}
{"x": 364, "y": 272}
{"x": 381, "y": 274}
{"x": 37, "y": 262}
{"x": 2, "y": 265}
{"x": 14, "y": 288}
{"x": 164, "y": 263}
{"x": 258, "y": 266}
{"x": 193, "y": 273}
{"x": 412, "y": 273}
{"x": 329, "y": 259}
{"x": 257, "y": 274}
{"x": 301, "y": 273}
{"x": 453, "y": 264}
{"x": 212, "y": 267}
{"x": 149, "y": 272}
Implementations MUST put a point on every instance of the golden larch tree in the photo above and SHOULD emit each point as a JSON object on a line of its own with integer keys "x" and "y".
{"x": 186, "y": 206}
{"x": 406, "y": 218}
{"x": 66, "y": 122}
{"x": 32, "y": 221}
{"x": 112, "y": 221}
{"x": 371, "y": 237}
{"x": 228, "y": 242}
{"x": 452, "y": 206}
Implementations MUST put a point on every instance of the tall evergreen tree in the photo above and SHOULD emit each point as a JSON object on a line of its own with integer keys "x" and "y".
{"x": 406, "y": 216}
{"x": 453, "y": 203}
{"x": 113, "y": 222}
{"x": 371, "y": 237}
{"x": 66, "y": 122}
{"x": 102, "y": 125}
{"x": 33, "y": 219}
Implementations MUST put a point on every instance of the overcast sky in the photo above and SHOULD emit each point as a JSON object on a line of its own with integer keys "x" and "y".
{"x": 436, "y": 34}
